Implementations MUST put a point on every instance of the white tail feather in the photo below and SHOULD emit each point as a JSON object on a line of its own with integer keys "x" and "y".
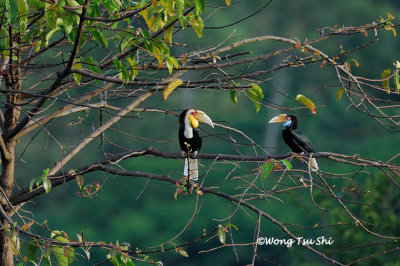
{"x": 313, "y": 165}
{"x": 192, "y": 168}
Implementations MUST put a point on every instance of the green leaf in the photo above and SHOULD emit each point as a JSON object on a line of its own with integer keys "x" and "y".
{"x": 198, "y": 6}
{"x": 385, "y": 79}
{"x": 287, "y": 164}
{"x": 339, "y": 93}
{"x": 50, "y": 34}
{"x": 99, "y": 36}
{"x": 198, "y": 26}
{"x": 47, "y": 185}
{"x": 267, "y": 168}
{"x": 51, "y": 15}
{"x": 12, "y": 11}
{"x": 111, "y": 6}
{"x": 3, "y": 38}
{"x": 171, "y": 62}
{"x": 32, "y": 183}
{"x": 233, "y": 96}
{"x": 77, "y": 76}
{"x": 180, "y": 7}
{"x": 253, "y": 96}
{"x": 68, "y": 21}
{"x": 396, "y": 81}
{"x": 92, "y": 64}
{"x": 231, "y": 225}
{"x": 221, "y": 234}
{"x": 257, "y": 89}
{"x": 31, "y": 250}
{"x": 168, "y": 35}
{"x": 46, "y": 172}
{"x": 65, "y": 255}
{"x": 23, "y": 14}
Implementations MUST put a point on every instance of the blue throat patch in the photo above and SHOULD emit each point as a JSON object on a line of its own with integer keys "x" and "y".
{"x": 287, "y": 123}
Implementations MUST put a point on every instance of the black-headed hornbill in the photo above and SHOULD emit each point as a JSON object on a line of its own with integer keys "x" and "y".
{"x": 296, "y": 140}
{"x": 190, "y": 139}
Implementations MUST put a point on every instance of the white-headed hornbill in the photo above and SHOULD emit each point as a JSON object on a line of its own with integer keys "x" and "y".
{"x": 190, "y": 139}
{"x": 296, "y": 140}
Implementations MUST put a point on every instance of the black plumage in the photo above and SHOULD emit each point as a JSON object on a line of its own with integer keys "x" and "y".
{"x": 188, "y": 145}
{"x": 296, "y": 140}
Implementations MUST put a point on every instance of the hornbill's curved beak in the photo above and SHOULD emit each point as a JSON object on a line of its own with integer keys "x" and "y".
{"x": 279, "y": 119}
{"x": 199, "y": 116}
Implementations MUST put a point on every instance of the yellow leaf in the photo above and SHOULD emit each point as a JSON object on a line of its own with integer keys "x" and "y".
{"x": 307, "y": 102}
{"x": 168, "y": 35}
{"x": 347, "y": 66}
{"x": 339, "y": 94}
{"x": 183, "y": 253}
{"x": 355, "y": 62}
{"x": 385, "y": 79}
{"x": 149, "y": 21}
{"x": 157, "y": 54}
{"x": 170, "y": 87}
{"x": 228, "y": 2}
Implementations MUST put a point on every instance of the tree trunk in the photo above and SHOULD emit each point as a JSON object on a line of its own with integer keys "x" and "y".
{"x": 6, "y": 184}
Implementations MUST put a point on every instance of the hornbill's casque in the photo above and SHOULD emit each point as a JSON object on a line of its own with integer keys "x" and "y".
{"x": 296, "y": 140}
{"x": 190, "y": 139}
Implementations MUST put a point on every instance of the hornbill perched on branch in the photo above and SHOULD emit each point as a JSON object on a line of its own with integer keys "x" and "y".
{"x": 296, "y": 140}
{"x": 190, "y": 139}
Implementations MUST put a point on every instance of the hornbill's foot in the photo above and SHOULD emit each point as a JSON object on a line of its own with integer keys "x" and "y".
{"x": 194, "y": 154}
{"x": 182, "y": 153}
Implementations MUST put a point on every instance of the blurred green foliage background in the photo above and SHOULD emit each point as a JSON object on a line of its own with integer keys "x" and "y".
{"x": 145, "y": 214}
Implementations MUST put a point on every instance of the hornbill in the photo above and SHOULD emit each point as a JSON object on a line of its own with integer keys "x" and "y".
{"x": 190, "y": 139}
{"x": 296, "y": 140}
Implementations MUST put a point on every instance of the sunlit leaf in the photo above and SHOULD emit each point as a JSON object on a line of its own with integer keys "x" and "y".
{"x": 287, "y": 164}
{"x": 307, "y": 102}
{"x": 396, "y": 77}
{"x": 77, "y": 76}
{"x": 171, "y": 62}
{"x": 79, "y": 180}
{"x": 355, "y": 62}
{"x": 385, "y": 79}
{"x": 198, "y": 26}
{"x": 47, "y": 185}
{"x": 50, "y": 34}
{"x": 149, "y": 21}
{"x": 15, "y": 244}
{"x": 221, "y": 234}
{"x": 180, "y": 7}
{"x": 257, "y": 89}
{"x": 158, "y": 54}
{"x": 253, "y": 96}
{"x": 65, "y": 255}
{"x": 183, "y": 253}
{"x": 339, "y": 93}
{"x": 199, "y": 6}
{"x": 233, "y": 96}
{"x": 171, "y": 87}
{"x": 256, "y": 94}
